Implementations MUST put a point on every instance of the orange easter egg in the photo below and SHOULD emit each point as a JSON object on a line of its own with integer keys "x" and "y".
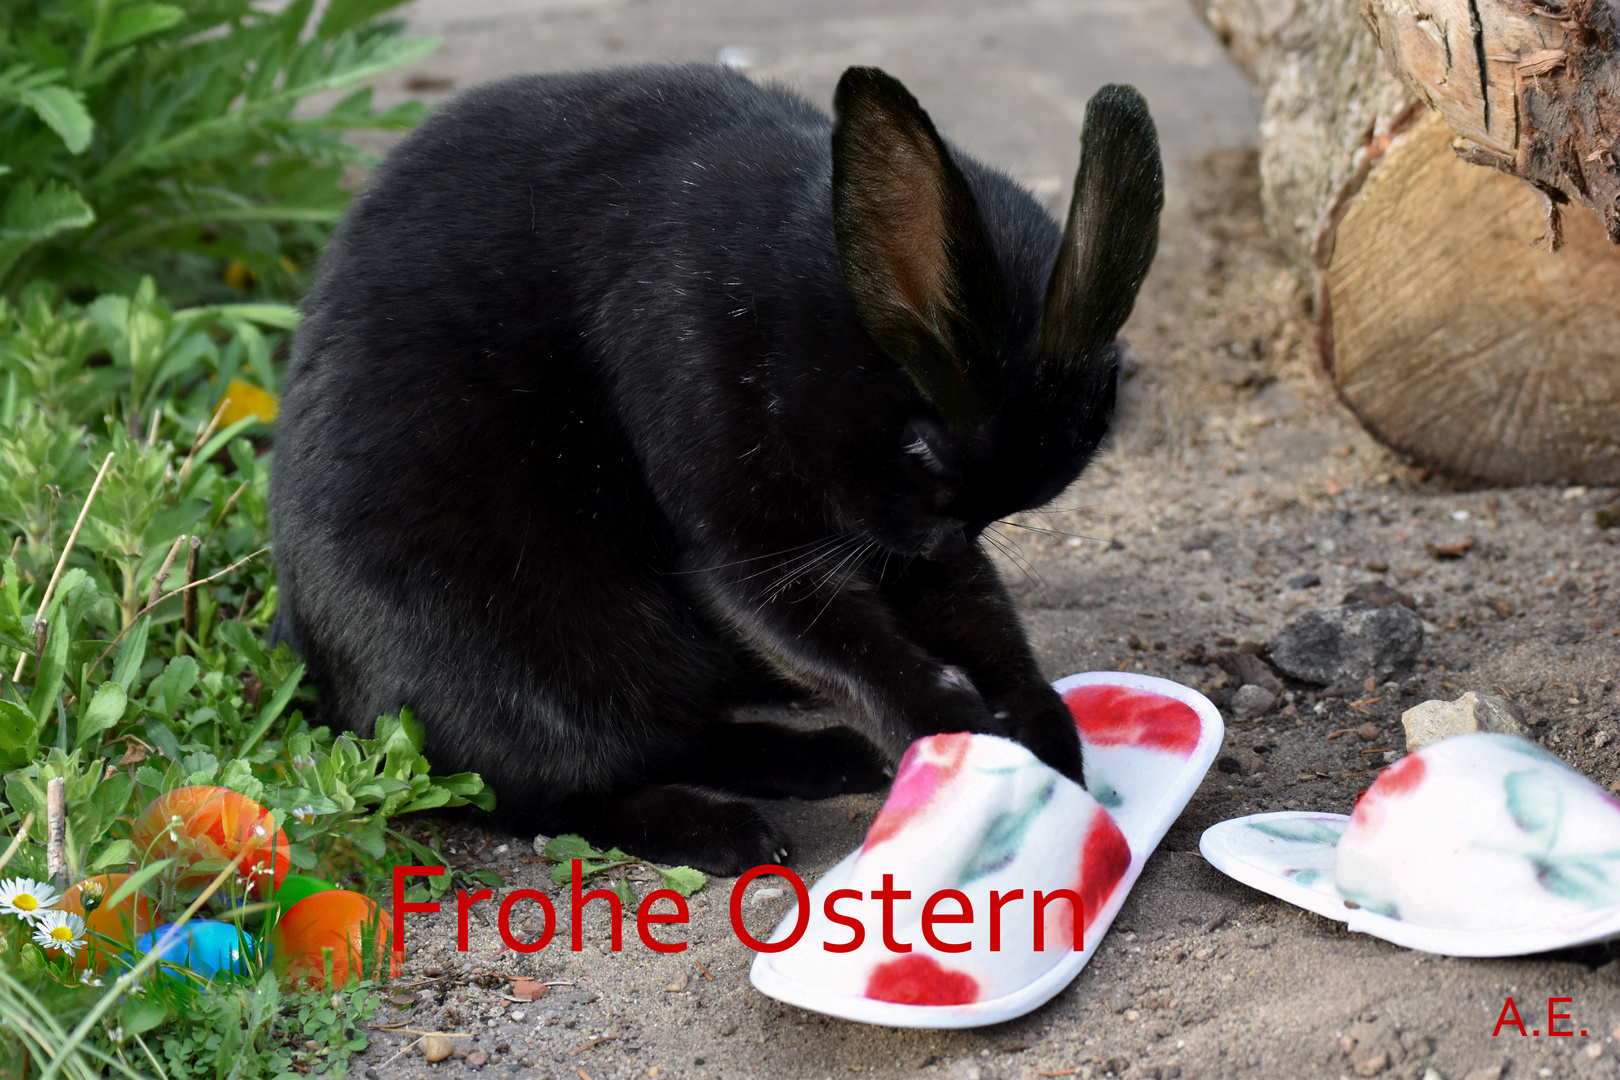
{"x": 210, "y": 825}
{"x": 132, "y": 916}
{"x": 354, "y": 928}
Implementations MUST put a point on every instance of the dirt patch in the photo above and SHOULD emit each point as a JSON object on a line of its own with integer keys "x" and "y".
{"x": 1237, "y": 494}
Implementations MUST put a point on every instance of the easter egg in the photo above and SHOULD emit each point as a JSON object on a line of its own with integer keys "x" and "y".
{"x": 354, "y": 928}
{"x": 204, "y": 827}
{"x": 131, "y": 917}
{"x": 294, "y": 887}
{"x": 203, "y": 945}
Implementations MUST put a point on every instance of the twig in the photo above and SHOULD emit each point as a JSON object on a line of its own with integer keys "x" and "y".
{"x": 56, "y": 830}
{"x": 583, "y": 1075}
{"x": 1357, "y": 705}
{"x": 202, "y": 437}
{"x": 16, "y": 841}
{"x": 598, "y": 1041}
{"x": 67, "y": 549}
{"x": 230, "y": 502}
{"x": 1342, "y": 731}
{"x": 176, "y": 592}
{"x": 703, "y": 969}
{"x": 163, "y": 571}
{"x": 188, "y": 610}
{"x": 1378, "y": 750}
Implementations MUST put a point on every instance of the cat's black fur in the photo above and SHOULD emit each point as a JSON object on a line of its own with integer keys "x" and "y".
{"x": 625, "y": 398}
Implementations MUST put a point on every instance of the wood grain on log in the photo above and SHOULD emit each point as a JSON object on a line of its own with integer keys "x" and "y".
{"x": 1531, "y": 86}
{"x": 1451, "y": 336}
{"x": 1458, "y": 340}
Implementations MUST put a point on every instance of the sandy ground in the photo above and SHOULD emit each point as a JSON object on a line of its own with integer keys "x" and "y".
{"x": 1233, "y": 474}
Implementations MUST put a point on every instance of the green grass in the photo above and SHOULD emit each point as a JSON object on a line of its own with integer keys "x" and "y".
{"x": 161, "y": 201}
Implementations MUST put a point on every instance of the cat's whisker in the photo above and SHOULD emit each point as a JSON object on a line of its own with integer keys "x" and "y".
{"x": 805, "y": 565}
{"x": 1049, "y": 532}
{"x": 855, "y": 558}
{"x": 1008, "y": 548}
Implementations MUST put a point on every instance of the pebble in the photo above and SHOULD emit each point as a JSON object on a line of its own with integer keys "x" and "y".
{"x": 1432, "y": 721}
{"x": 1378, "y": 595}
{"x": 477, "y": 1059}
{"x": 1367, "y": 732}
{"x": 762, "y": 895}
{"x": 1253, "y": 700}
{"x": 1345, "y": 643}
{"x": 1305, "y": 581}
{"x": 435, "y": 1047}
{"x": 529, "y": 989}
{"x": 540, "y": 843}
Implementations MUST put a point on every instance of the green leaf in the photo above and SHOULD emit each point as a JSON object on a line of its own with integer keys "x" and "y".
{"x": 19, "y": 734}
{"x": 270, "y": 712}
{"x": 117, "y": 853}
{"x": 137, "y": 21}
{"x": 136, "y": 881}
{"x": 621, "y": 889}
{"x": 159, "y": 735}
{"x": 683, "y": 879}
{"x": 344, "y": 15}
{"x": 133, "y": 654}
{"x": 106, "y": 709}
{"x": 569, "y": 846}
{"x": 48, "y": 674}
{"x": 140, "y": 1014}
{"x": 487, "y": 877}
{"x": 37, "y": 213}
{"x": 61, "y": 109}
{"x": 165, "y": 693}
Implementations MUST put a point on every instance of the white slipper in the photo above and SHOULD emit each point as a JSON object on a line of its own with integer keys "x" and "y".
{"x": 1477, "y": 845}
{"x": 976, "y": 813}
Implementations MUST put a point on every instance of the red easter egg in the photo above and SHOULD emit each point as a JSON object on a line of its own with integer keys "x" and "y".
{"x": 344, "y": 922}
{"x": 205, "y": 823}
{"x": 133, "y": 916}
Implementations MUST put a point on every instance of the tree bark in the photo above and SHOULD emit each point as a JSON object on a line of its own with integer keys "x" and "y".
{"x": 1452, "y": 337}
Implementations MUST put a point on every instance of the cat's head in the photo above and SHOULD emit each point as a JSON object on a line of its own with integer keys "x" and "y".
{"x": 1014, "y": 379}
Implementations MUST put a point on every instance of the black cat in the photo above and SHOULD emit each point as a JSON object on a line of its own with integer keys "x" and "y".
{"x": 625, "y": 398}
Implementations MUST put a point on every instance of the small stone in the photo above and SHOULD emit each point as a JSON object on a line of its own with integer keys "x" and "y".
{"x": 1252, "y": 700}
{"x": 763, "y": 895}
{"x": 402, "y": 1000}
{"x": 1378, "y": 594}
{"x": 1367, "y": 732}
{"x": 1346, "y": 643}
{"x": 540, "y": 843}
{"x": 1492, "y": 1073}
{"x": 1373, "y": 1064}
{"x": 1455, "y": 549}
{"x": 518, "y": 1016}
{"x": 477, "y": 1059}
{"x": 678, "y": 985}
{"x": 1435, "y": 720}
{"x": 1594, "y": 1050}
{"x": 433, "y": 971}
{"x": 1305, "y": 581}
{"x": 529, "y": 990}
{"x": 435, "y": 1047}
{"x": 1246, "y": 667}
{"x": 1608, "y": 517}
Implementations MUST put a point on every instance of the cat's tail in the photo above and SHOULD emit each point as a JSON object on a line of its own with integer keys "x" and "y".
{"x": 1111, "y": 234}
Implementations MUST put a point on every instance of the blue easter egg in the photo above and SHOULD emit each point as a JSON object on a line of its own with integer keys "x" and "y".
{"x": 203, "y": 945}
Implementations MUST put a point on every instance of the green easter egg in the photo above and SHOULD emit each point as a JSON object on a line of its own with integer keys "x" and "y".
{"x": 297, "y": 886}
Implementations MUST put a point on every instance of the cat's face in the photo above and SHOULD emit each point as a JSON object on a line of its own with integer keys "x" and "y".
{"x": 1011, "y": 378}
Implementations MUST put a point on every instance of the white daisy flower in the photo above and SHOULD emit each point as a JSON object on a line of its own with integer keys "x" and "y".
{"x": 60, "y": 930}
{"x": 26, "y": 898}
{"x": 304, "y": 813}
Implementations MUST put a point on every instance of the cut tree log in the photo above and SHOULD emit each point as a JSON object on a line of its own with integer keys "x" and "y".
{"x": 1445, "y": 320}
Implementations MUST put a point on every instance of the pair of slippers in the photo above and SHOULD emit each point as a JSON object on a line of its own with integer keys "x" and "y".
{"x": 987, "y": 881}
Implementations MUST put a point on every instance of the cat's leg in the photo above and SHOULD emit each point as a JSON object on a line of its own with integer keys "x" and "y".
{"x": 959, "y": 610}
{"x": 674, "y": 824}
{"x": 770, "y": 761}
{"x": 837, "y": 634}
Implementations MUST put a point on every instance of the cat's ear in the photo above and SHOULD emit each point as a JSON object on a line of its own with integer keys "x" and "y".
{"x": 913, "y": 248}
{"x": 1108, "y": 242}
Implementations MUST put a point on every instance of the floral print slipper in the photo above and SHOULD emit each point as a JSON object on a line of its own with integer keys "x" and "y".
{"x": 1477, "y": 845}
{"x": 958, "y": 908}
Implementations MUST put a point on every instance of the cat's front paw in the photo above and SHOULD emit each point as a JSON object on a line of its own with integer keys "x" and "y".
{"x": 838, "y": 760}
{"x": 681, "y": 826}
{"x": 949, "y": 702}
{"x": 1039, "y": 719}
